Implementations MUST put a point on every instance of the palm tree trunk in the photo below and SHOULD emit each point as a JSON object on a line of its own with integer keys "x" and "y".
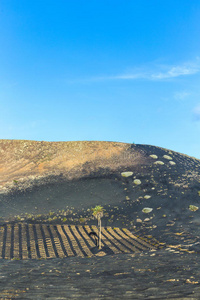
{"x": 100, "y": 233}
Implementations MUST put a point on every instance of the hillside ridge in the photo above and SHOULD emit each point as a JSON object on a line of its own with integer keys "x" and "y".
{"x": 25, "y": 163}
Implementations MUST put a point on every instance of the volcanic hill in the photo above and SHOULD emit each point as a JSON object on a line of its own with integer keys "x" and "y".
{"x": 150, "y": 190}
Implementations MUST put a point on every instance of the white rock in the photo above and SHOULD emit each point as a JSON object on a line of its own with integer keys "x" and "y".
{"x": 153, "y": 156}
{"x": 147, "y": 196}
{"x": 193, "y": 207}
{"x": 126, "y": 174}
{"x": 147, "y": 210}
{"x": 172, "y": 163}
{"x": 167, "y": 157}
{"x": 138, "y": 220}
{"x": 158, "y": 162}
{"x": 137, "y": 181}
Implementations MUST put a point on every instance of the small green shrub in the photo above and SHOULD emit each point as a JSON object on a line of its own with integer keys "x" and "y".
{"x": 81, "y": 220}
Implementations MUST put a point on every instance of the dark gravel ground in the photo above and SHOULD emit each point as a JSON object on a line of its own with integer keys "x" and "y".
{"x": 152, "y": 275}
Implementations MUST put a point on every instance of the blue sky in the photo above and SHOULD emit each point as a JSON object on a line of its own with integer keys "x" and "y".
{"x": 108, "y": 70}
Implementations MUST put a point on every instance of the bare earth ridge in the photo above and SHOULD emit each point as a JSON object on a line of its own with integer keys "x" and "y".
{"x": 24, "y": 161}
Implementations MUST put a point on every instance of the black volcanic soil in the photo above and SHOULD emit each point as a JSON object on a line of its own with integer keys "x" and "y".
{"x": 158, "y": 275}
{"x": 64, "y": 195}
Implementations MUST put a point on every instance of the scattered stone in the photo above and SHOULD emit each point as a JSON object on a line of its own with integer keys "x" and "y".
{"x": 101, "y": 253}
{"x": 159, "y": 162}
{"x": 126, "y": 174}
{"x": 137, "y": 181}
{"x": 127, "y": 198}
{"x": 172, "y": 163}
{"x": 146, "y": 219}
{"x": 172, "y": 280}
{"x": 147, "y": 197}
{"x": 147, "y": 210}
{"x": 138, "y": 220}
{"x": 153, "y": 156}
{"x": 193, "y": 207}
{"x": 167, "y": 157}
{"x": 192, "y": 282}
{"x": 81, "y": 220}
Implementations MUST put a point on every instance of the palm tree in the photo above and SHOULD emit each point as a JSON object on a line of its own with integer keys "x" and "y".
{"x": 97, "y": 212}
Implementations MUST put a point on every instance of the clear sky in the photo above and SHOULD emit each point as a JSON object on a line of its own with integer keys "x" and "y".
{"x": 108, "y": 70}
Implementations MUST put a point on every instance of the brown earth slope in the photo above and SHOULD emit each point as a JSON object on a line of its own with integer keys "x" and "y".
{"x": 24, "y": 161}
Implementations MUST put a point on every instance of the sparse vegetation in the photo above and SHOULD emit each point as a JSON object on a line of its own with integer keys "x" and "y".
{"x": 82, "y": 220}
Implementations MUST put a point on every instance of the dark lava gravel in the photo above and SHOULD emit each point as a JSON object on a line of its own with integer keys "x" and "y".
{"x": 151, "y": 275}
